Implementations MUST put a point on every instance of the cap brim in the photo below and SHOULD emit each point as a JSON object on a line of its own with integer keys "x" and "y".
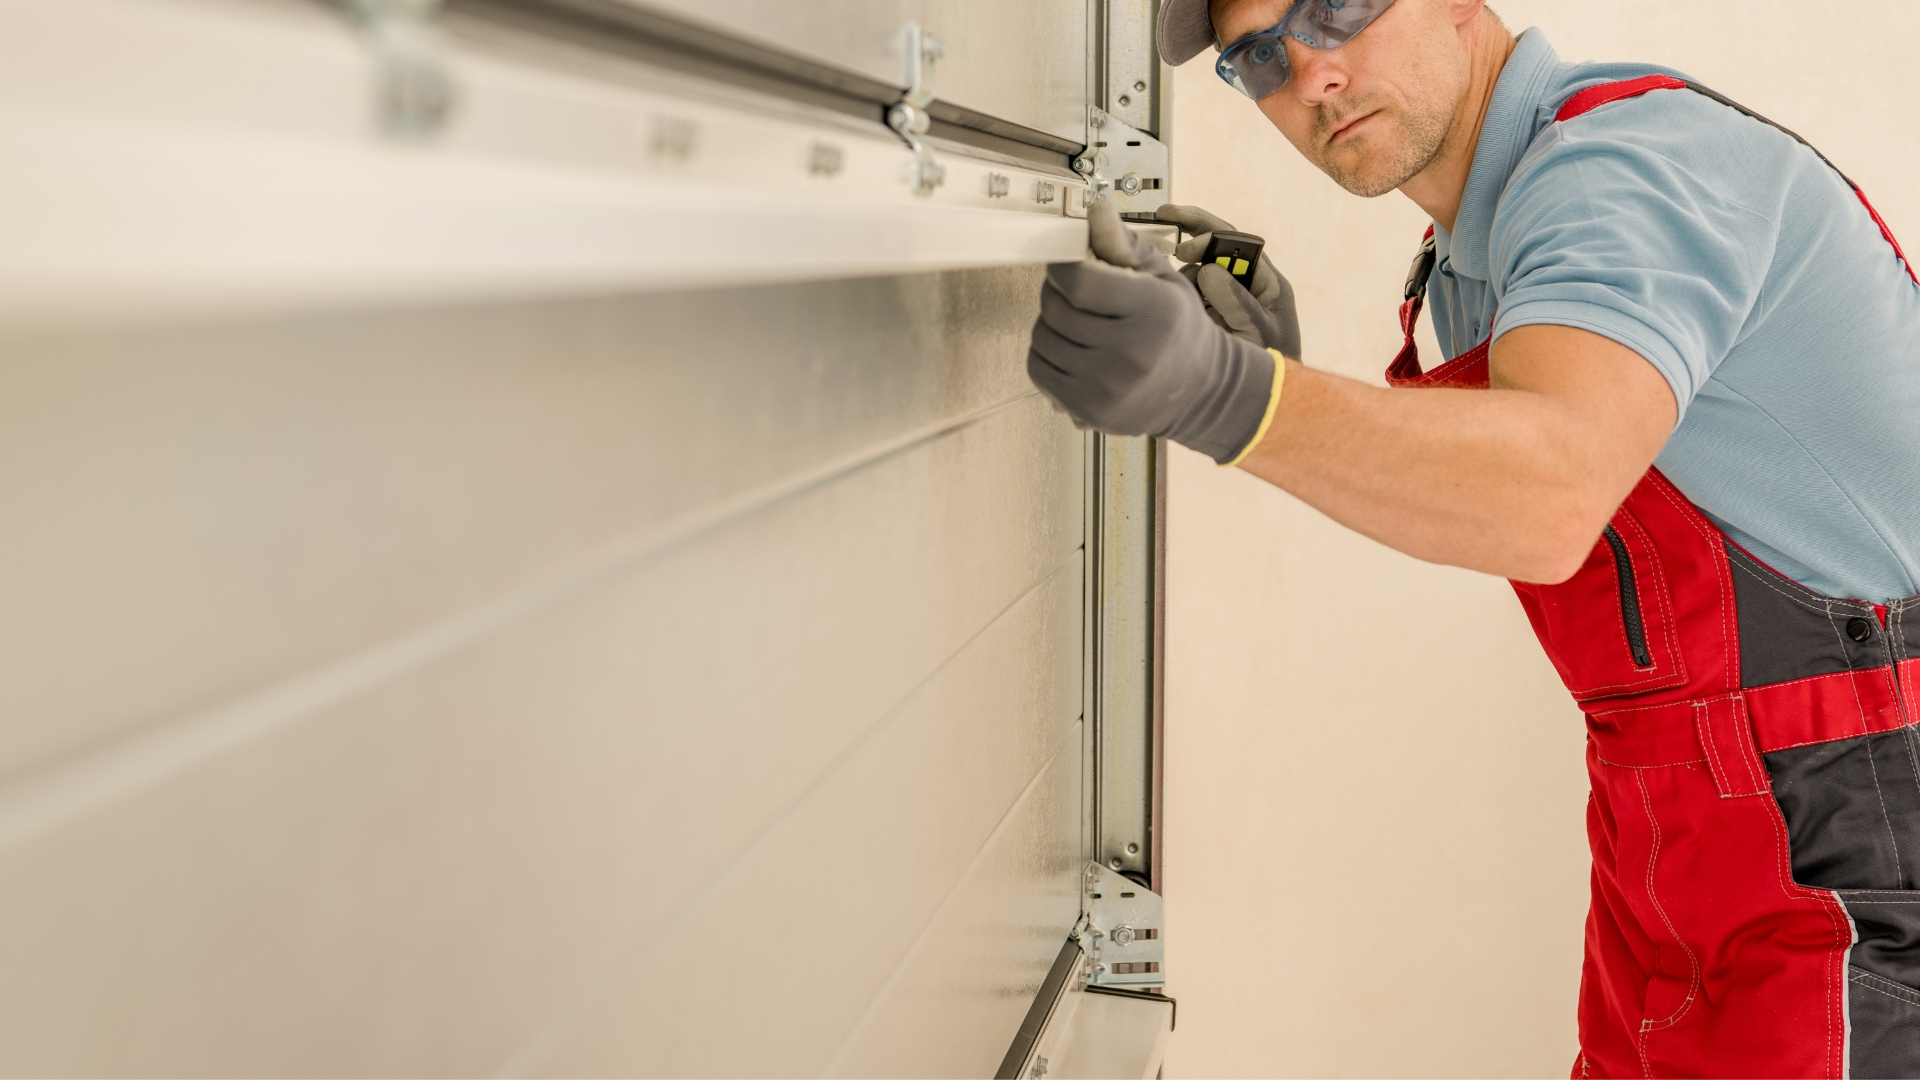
{"x": 1185, "y": 31}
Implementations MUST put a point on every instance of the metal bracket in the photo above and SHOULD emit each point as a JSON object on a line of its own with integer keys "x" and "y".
{"x": 1123, "y": 163}
{"x": 1120, "y": 931}
{"x": 413, "y": 90}
{"x": 908, "y": 117}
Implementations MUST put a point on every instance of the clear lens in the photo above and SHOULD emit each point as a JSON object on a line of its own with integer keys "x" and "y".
{"x": 1256, "y": 65}
{"x": 1329, "y": 24}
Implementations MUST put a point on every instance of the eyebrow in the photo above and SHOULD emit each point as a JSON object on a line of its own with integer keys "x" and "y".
{"x": 1259, "y": 24}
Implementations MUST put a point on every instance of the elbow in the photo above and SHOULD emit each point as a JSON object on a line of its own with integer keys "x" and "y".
{"x": 1553, "y": 554}
{"x": 1551, "y": 568}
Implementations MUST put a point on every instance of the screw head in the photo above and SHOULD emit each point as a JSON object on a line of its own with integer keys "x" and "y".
{"x": 1123, "y": 935}
{"x": 1129, "y": 184}
{"x": 1115, "y": 862}
{"x": 1132, "y": 849}
{"x": 1083, "y": 165}
{"x": 1140, "y": 84}
{"x": 1125, "y": 101}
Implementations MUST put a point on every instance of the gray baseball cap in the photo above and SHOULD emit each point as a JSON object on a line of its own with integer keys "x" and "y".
{"x": 1186, "y": 30}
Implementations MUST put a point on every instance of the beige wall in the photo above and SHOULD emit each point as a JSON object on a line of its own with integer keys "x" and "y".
{"x": 1376, "y": 863}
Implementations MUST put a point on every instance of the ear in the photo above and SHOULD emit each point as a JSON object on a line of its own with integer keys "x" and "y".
{"x": 1465, "y": 11}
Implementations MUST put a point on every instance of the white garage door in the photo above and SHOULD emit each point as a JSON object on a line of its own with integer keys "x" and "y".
{"x": 580, "y": 584}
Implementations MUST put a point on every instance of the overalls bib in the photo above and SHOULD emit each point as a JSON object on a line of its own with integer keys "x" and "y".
{"x": 1755, "y": 815}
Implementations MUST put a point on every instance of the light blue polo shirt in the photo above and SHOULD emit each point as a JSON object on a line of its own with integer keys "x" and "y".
{"x": 1740, "y": 266}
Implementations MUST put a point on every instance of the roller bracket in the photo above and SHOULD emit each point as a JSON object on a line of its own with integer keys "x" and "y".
{"x": 413, "y": 88}
{"x": 908, "y": 117}
{"x": 1124, "y": 164}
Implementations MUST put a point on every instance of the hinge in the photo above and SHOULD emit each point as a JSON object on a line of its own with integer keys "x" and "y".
{"x": 1123, "y": 163}
{"x": 1119, "y": 931}
{"x": 413, "y": 89}
{"x": 908, "y": 117}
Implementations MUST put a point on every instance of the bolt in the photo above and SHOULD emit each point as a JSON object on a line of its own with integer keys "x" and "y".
{"x": 673, "y": 138}
{"x": 1132, "y": 849}
{"x": 1114, "y": 862}
{"x": 1123, "y": 935}
{"x": 1129, "y": 184}
{"x": 1083, "y": 165}
{"x": 906, "y": 119}
{"x": 823, "y": 159}
{"x": 1125, "y": 101}
{"x": 924, "y": 175}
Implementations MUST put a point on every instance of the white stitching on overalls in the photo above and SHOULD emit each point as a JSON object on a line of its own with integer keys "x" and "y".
{"x": 1693, "y": 982}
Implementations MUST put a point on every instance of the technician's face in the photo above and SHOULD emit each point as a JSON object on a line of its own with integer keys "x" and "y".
{"x": 1375, "y": 111}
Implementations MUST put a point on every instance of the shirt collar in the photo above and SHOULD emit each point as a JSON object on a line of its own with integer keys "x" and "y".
{"x": 1513, "y": 118}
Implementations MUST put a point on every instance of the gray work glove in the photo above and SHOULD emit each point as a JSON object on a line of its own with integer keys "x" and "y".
{"x": 1124, "y": 344}
{"x": 1265, "y": 316}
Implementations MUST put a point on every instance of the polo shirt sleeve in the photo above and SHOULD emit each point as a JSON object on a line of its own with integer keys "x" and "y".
{"x": 1612, "y": 236}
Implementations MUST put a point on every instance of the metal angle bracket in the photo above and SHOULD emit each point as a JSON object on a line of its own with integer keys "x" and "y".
{"x": 908, "y": 117}
{"x": 1120, "y": 931}
{"x": 413, "y": 89}
{"x": 1124, "y": 164}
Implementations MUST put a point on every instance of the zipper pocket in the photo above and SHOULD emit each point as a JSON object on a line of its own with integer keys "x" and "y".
{"x": 1629, "y": 600}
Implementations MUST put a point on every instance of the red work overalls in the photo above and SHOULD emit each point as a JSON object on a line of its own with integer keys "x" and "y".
{"x": 1755, "y": 816}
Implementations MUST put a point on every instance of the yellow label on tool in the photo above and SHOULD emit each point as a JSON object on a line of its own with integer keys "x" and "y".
{"x": 1223, "y": 261}
{"x": 1239, "y": 267}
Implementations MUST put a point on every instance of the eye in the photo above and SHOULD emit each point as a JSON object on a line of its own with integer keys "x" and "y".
{"x": 1263, "y": 52}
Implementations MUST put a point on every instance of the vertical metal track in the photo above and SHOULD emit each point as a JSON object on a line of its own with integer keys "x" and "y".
{"x": 1124, "y": 686}
{"x": 1157, "y": 786}
{"x": 1125, "y": 538}
{"x": 1125, "y": 548}
{"x": 1130, "y": 77}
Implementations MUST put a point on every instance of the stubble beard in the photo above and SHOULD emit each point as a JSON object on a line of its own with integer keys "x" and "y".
{"x": 1424, "y": 136}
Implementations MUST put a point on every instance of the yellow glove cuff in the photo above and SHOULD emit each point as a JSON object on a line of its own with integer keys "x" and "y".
{"x": 1266, "y": 418}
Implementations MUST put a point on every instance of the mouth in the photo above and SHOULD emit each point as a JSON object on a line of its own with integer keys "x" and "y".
{"x": 1350, "y": 127}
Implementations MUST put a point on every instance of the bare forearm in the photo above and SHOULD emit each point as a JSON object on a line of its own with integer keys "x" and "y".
{"x": 1511, "y": 481}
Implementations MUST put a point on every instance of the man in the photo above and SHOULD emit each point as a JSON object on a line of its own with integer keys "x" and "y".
{"x": 1681, "y": 410}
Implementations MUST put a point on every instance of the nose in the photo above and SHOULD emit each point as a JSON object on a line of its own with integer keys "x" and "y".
{"x": 1317, "y": 74}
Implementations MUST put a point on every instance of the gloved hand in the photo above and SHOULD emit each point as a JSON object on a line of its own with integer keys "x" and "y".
{"x": 1265, "y": 316}
{"x": 1124, "y": 344}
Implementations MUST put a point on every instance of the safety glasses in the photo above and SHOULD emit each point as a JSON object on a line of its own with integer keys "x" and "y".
{"x": 1256, "y": 65}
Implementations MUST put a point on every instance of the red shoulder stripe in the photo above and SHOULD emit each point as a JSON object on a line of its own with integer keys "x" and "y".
{"x": 1595, "y": 96}
{"x": 1884, "y": 231}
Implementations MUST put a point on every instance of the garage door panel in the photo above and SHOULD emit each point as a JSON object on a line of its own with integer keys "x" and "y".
{"x": 1017, "y": 61}
{"x": 803, "y": 938}
{"x": 411, "y": 880}
{"x": 955, "y": 1001}
{"x": 207, "y": 510}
